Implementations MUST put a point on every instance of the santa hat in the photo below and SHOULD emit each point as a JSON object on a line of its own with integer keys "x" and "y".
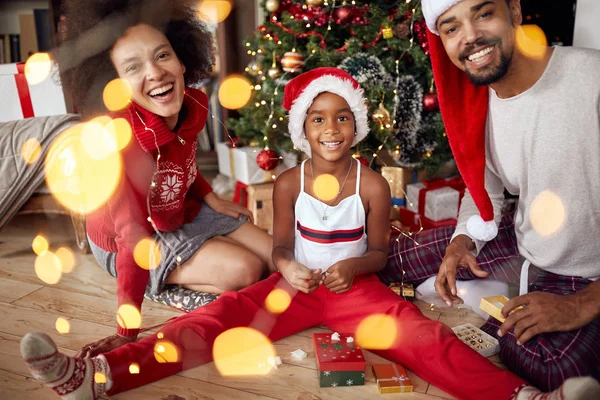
{"x": 301, "y": 91}
{"x": 464, "y": 108}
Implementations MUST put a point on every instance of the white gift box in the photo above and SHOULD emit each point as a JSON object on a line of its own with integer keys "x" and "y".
{"x": 21, "y": 100}
{"x": 239, "y": 163}
{"x": 440, "y": 203}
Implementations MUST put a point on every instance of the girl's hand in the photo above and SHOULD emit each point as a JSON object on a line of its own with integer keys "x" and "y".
{"x": 300, "y": 277}
{"x": 340, "y": 276}
{"x": 227, "y": 207}
{"x": 104, "y": 345}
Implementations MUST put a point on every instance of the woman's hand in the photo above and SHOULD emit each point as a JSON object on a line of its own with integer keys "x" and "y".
{"x": 104, "y": 345}
{"x": 227, "y": 207}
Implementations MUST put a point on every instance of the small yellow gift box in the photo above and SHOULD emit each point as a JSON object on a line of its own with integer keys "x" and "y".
{"x": 493, "y": 305}
{"x": 392, "y": 378}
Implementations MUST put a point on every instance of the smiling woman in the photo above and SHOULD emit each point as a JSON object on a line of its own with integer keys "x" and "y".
{"x": 163, "y": 224}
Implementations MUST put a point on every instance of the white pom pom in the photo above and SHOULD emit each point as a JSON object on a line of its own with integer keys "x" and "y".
{"x": 481, "y": 230}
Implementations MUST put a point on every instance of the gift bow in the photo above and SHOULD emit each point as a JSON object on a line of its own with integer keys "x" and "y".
{"x": 399, "y": 377}
{"x": 456, "y": 183}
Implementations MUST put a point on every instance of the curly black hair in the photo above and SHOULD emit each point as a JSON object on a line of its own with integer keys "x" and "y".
{"x": 93, "y": 26}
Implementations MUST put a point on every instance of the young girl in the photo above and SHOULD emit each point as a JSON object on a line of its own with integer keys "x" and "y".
{"x": 326, "y": 252}
{"x": 207, "y": 244}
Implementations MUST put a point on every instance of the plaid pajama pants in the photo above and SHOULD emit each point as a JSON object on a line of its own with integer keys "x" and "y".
{"x": 547, "y": 359}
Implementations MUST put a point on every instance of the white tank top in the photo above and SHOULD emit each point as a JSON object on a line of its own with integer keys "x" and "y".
{"x": 319, "y": 242}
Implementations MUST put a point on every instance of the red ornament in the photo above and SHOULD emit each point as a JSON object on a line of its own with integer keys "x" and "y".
{"x": 420, "y": 29}
{"x": 342, "y": 15}
{"x": 267, "y": 159}
{"x": 430, "y": 102}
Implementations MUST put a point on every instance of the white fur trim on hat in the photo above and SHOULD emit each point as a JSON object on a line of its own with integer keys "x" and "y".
{"x": 432, "y": 9}
{"x": 332, "y": 84}
{"x": 481, "y": 230}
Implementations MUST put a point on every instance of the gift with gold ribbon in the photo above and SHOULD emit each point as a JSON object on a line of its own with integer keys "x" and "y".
{"x": 392, "y": 378}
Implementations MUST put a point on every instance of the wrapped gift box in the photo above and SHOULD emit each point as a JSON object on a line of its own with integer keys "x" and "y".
{"x": 21, "y": 100}
{"x": 260, "y": 202}
{"x": 493, "y": 305}
{"x": 415, "y": 221}
{"x": 477, "y": 339}
{"x": 239, "y": 163}
{"x": 437, "y": 200}
{"x": 339, "y": 363}
{"x": 392, "y": 378}
{"x": 398, "y": 178}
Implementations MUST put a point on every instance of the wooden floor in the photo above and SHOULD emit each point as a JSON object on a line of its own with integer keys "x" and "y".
{"x": 86, "y": 297}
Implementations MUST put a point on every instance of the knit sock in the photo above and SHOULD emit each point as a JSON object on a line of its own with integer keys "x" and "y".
{"x": 581, "y": 388}
{"x": 71, "y": 378}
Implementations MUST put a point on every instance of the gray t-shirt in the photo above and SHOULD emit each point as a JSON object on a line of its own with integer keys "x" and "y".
{"x": 544, "y": 145}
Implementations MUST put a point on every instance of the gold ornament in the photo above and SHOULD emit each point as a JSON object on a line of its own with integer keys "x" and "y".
{"x": 314, "y": 3}
{"x": 274, "y": 72}
{"x": 292, "y": 62}
{"x": 253, "y": 68}
{"x": 272, "y": 5}
{"x": 388, "y": 32}
{"x": 381, "y": 115}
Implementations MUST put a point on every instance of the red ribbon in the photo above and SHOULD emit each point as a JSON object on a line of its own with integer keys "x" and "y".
{"x": 23, "y": 90}
{"x": 455, "y": 183}
{"x": 300, "y": 35}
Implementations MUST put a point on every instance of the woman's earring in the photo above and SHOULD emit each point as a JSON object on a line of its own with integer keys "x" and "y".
{"x": 355, "y": 133}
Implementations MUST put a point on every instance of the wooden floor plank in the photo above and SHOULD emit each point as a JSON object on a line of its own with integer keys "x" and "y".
{"x": 11, "y": 289}
{"x": 87, "y": 307}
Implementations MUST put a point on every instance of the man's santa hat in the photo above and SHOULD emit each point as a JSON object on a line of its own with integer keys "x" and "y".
{"x": 301, "y": 91}
{"x": 464, "y": 108}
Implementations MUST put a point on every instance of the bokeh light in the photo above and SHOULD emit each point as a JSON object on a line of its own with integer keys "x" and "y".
{"x": 134, "y": 368}
{"x": 147, "y": 254}
{"x": 97, "y": 142}
{"x": 129, "y": 317}
{"x": 532, "y": 41}
{"x": 377, "y": 332}
{"x": 278, "y": 301}
{"x": 166, "y": 352}
{"x": 37, "y": 68}
{"x": 39, "y": 245}
{"x": 116, "y": 94}
{"x": 326, "y": 187}
{"x": 214, "y": 11}
{"x": 547, "y": 213}
{"x": 120, "y": 130}
{"x": 242, "y": 352}
{"x": 31, "y": 150}
{"x": 78, "y": 181}
{"x": 235, "y": 92}
{"x": 63, "y": 326}
{"x": 66, "y": 258}
{"x": 99, "y": 377}
{"x": 47, "y": 268}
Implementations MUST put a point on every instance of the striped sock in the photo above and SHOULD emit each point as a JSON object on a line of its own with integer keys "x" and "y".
{"x": 71, "y": 378}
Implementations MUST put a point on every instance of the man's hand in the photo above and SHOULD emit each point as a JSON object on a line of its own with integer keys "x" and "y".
{"x": 104, "y": 345}
{"x": 458, "y": 255}
{"x": 300, "y": 277}
{"x": 340, "y": 276}
{"x": 541, "y": 313}
{"x": 227, "y": 207}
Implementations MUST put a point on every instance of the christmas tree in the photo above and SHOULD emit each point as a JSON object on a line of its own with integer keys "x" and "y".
{"x": 382, "y": 43}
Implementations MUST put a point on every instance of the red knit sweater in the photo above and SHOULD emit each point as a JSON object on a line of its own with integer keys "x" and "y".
{"x": 173, "y": 200}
